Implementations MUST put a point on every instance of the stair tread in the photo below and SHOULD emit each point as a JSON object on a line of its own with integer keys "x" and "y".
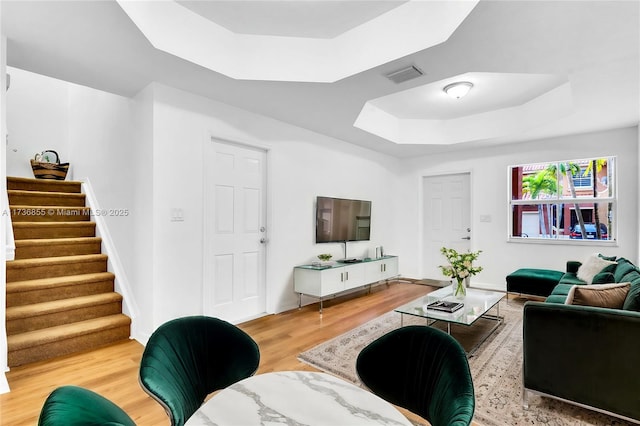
{"x": 53, "y": 241}
{"x": 45, "y": 181}
{"x": 26, "y": 224}
{"x": 29, "y": 285}
{"x": 53, "y": 306}
{"x": 51, "y": 334}
{"x": 46, "y": 193}
{"x": 46, "y": 207}
{"x": 78, "y": 258}
{"x": 69, "y": 186}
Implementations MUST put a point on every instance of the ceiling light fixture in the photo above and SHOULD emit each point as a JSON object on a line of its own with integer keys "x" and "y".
{"x": 458, "y": 89}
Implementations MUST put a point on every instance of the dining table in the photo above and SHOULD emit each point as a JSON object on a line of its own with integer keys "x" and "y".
{"x": 296, "y": 398}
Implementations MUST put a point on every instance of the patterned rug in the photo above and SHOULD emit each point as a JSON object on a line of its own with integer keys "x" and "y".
{"x": 496, "y": 367}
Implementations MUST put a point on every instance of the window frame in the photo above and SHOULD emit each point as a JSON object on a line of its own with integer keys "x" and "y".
{"x": 558, "y": 200}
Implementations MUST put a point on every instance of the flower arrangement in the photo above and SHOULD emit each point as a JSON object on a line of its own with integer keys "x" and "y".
{"x": 460, "y": 267}
{"x": 325, "y": 257}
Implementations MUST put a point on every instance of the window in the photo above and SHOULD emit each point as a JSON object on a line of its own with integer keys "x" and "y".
{"x": 583, "y": 179}
{"x": 565, "y": 200}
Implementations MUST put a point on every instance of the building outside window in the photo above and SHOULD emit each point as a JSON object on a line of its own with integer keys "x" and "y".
{"x": 571, "y": 200}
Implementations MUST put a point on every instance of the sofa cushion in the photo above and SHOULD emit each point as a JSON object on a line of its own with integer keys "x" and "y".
{"x": 600, "y": 295}
{"x": 556, "y": 298}
{"x": 570, "y": 278}
{"x": 559, "y": 293}
{"x": 604, "y": 278}
{"x": 623, "y": 269}
{"x": 592, "y": 266}
{"x": 632, "y": 302}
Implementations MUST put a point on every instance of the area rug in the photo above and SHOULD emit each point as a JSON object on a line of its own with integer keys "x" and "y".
{"x": 496, "y": 367}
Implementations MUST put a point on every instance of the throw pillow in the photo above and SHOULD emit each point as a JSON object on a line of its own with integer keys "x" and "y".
{"x": 601, "y": 295}
{"x": 607, "y": 257}
{"x": 632, "y": 303}
{"x": 625, "y": 271}
{"x": 591, "y": 266}
{"x": 603, "y": 278}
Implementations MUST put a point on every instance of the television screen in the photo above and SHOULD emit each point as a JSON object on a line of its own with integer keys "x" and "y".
{"x": 339, "y": 220}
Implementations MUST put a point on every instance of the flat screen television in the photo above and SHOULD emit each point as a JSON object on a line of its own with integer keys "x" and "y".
{"x": 340, "y": 220}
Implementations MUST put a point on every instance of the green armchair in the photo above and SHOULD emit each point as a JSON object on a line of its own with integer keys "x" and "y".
{"x": 76, "y": 406}
{"x": 188, "y": 358}
{"x": 423, "y": 370}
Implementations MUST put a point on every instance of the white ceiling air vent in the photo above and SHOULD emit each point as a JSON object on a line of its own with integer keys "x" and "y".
{"x": 405, "y": 74}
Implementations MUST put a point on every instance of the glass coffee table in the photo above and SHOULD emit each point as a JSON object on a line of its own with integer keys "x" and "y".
{"x": 476, "y": 304}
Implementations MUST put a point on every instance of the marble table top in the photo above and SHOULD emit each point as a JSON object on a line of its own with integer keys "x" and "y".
{"x": 296, "y": 398}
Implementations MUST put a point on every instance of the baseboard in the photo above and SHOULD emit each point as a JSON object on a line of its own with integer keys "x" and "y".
{"x": 432, "y": 282}
{"x": 4, "y": 384}
{"x": 489, "y": 286}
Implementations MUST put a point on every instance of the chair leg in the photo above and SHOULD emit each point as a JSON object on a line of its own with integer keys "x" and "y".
{"x": 525, "y": 398}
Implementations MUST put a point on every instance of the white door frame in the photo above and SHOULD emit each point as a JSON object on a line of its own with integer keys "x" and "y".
{"x": 211, "y": 138}
{"x": 421, "y": 230}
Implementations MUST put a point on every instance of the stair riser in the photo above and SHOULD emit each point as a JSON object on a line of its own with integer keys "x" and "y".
{"x": 43, "y": 185}
{"x": 36, "y": 231}
{"x": 55, "y": 270}
{"x": 67, "y": 346}
{"x": 58, "y": 293}
{"x": 22, "y": 325}
{"x": 54, "y": 250}
{"x": 50, "y": 214}
{"x": 53, "y": 199}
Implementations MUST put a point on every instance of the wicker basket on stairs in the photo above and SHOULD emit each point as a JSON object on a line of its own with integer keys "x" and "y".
{"x": 51, "y": 168}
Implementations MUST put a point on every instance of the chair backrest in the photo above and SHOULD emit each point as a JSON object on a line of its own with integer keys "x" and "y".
{"x": 76, "y": 406}
{"x": 188, "y": 358}
{"x": 423, "y": 370}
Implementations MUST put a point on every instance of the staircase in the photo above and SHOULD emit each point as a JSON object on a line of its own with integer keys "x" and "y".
{"x": 60, "y": 297}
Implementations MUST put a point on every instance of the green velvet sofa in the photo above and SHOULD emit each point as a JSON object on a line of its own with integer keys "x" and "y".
{"x": 585, "y": 355}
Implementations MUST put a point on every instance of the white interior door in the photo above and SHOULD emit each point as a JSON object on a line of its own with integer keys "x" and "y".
{"x": 446, "y": 219}
{"x": 235, "y": 231}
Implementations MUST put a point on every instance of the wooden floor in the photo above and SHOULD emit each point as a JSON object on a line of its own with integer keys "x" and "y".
{"x": 113, "y": 371}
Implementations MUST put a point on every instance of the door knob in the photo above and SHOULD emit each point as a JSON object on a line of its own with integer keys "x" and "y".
{"x": 466, "y": 238}
{"x": 263, "y": 240}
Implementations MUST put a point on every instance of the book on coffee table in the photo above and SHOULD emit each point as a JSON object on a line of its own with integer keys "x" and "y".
{"x": 443, "y": 305}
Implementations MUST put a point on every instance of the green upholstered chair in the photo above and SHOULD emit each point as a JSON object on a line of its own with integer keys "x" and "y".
{"x": 188, "y": 358}
{"x": 421, "y": 369}
{"x": 76, "y": 406}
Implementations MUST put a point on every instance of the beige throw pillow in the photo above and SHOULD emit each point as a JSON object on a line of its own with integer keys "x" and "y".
{"x": 592, "y": 266}
{"x": 601, "y": 295}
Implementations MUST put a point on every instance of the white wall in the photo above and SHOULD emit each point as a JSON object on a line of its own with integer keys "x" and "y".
{"x": 100, "y": 144}
{"x": 140, "y": 270}
{"x": 489, "y": 197}
{"x": 38, "y": 119}
{"x": 301, "y": 165}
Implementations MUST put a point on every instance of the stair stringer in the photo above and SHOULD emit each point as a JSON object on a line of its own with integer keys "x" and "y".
{"x": 121, "y": 283}
{"x": 9, "y": 249}
{"x": 9, "y": 243}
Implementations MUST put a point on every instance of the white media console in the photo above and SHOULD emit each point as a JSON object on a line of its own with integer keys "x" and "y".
{"x": 323, "y": 281}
